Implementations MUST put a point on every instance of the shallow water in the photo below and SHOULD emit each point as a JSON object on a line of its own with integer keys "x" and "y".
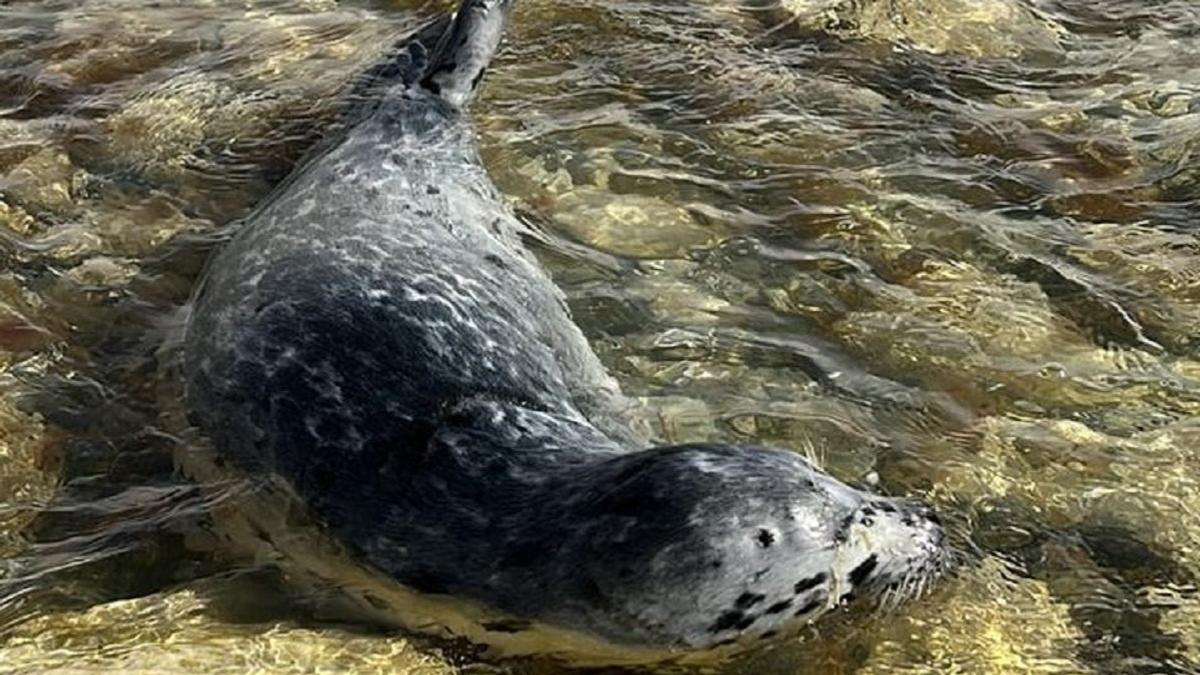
{"x": 961, "y": 260}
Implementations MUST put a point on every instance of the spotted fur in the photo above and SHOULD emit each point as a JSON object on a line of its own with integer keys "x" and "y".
{"x": 377, "y": 336}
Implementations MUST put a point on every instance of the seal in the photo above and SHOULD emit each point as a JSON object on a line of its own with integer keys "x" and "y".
{"x": 376, "y": 346}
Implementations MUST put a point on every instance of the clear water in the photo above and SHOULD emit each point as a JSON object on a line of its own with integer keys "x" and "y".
{"x": 955, "y": 254}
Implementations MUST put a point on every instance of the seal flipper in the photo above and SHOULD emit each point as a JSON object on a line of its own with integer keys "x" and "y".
{"x": 405, "y": 63}
{"x": 462, "y": 55}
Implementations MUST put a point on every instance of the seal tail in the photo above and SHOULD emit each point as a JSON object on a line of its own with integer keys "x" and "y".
{"x": 464, "y": 51}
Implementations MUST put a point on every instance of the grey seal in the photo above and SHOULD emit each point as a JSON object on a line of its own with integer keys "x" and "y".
{"x": 377, "y": 341}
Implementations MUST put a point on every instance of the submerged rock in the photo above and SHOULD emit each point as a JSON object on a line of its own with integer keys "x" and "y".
{"x": 26, "y": 483}
{"x": 44, "y": 182}
{"x": 993, "y": 622}
{"x": 992, "y": 339}
{"x": 162, "y": 125}
{"x": 101, "y": 272}
{"x": 1157, "y": 267}
{"x": 579, "y": 194}
{"x": 15, "y": 219}
{"x": 981, "y": 28}
{"x": 632, "y": 225}
{"x": 186, "y": 631}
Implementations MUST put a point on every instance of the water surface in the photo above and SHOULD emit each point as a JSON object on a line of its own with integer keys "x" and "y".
{"x": 956, "y": 258}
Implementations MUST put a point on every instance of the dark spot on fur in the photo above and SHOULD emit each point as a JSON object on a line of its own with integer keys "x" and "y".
{"x": 885, "y": 507}
{"x": 478, "y": 76}
{"x": 748, "y": 600}
{"x": 746, "y": 622}
{"x": 765, "y": 538}
{"x": 507, "y": 626}
{"x": 726, "y": 642}
{"x": 716, "y": 564}
{"x": 810, "y": 606}
{"x": 809, "y": 583}
{"x": 779, "y": 607}
{"x": 496, "y": 260}
{"x": 859, "y": 574}
{"x": 933, "y": 517}
{"x": 432, "y": 190}
{"x": 768, "y": 635}
{"x": 726, "y": 621}
{"x": 868, "y": 511}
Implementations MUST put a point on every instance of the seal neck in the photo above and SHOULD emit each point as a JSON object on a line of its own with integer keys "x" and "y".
{"x": 555, "y": 436}
{"x": 460, "y": 58}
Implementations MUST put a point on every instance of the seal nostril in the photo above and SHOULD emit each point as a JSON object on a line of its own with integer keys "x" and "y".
{"x": 866, "y": 516}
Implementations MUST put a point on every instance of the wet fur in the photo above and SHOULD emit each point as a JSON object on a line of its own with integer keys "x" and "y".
{"x": 377, "y": 336}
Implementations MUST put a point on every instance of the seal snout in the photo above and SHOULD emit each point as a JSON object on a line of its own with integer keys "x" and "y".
{"x": 894, "y": 544}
